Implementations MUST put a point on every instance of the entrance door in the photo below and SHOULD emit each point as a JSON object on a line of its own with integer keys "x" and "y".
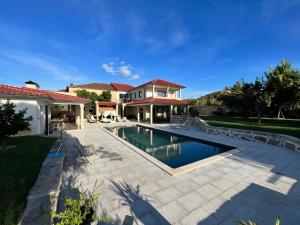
{"x": 141, "y": 113}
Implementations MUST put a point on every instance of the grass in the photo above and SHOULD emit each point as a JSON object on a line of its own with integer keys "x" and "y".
{"x": 19, "y": 168}
{"x": 282, "y": 126}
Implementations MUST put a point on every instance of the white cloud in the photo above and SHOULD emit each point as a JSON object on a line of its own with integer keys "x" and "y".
{"x": 135, "y": 77}
{"x": 108, "y": 68}
{"x": 125, "y": 71}
{"x": 45, "y": 63}
{"x": 122, "y": 69}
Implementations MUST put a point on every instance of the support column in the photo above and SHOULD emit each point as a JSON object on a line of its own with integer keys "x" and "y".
{"x": 179, "y": 93}
{"x": 153, "y": 91}
{"x": 171, "y": 113}
{"x": 117, "y": 109}
{"x": 123, "y": 110}
{"x": 81, "y": 116}
{"x": 97, "y": 108}
{"x": 151, "y": 114}
{"x": 138, "y": 114}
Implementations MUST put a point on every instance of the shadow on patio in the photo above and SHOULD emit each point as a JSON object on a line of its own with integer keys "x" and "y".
{"x": 255, "y": 203}
{"x": 139, "y": 205}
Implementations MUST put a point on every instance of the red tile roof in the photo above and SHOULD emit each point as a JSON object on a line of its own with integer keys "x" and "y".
{"x": 95, "y": 86}
{"x": 11, "y": 90}
{"x": 163, "y": 83}
{"x": 158, "y": 101}
{"x": 106, "y": 103}
{"x": 122, "y": 87}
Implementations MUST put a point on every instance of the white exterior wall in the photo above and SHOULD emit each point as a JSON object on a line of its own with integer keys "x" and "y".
{"x": 147, "y": 92}
{"x": 36, "y": 110}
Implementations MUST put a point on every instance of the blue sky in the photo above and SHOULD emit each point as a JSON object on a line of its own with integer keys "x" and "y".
{"x": 204, "y": 45}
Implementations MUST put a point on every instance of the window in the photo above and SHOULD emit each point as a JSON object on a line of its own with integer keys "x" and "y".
{"x": 134, "y": 94}
{"x": 161, "y": 93}
{"x": 121, "y": 96}
{"x": 179, "y": 110}
{"x": 140, "y": 94}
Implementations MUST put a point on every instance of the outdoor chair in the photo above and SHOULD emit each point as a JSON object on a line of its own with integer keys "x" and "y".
{"x": 86, "y": 152}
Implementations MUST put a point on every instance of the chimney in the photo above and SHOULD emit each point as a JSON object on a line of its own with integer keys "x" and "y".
{"x": 31, "y": 84}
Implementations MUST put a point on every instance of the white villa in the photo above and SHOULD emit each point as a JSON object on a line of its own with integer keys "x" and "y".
{"x": 155, "y": 101}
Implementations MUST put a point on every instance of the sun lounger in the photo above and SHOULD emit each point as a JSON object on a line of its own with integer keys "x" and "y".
{"x": 86, "y": 152}
{"x": 91, "y": 119}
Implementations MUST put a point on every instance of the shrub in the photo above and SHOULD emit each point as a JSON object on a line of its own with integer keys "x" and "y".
{"x": 193, "y": 111}
{"x": 12, "y": 122}
{"x": 79, "y": 211}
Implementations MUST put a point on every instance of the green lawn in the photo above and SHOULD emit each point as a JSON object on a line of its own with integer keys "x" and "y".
{"x": 19, "y": 168}
{"x": 282, "y": 126}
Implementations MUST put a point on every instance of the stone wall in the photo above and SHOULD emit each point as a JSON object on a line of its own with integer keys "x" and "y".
{"x": 179, "y": 118}
{"x": 282, "y": 140}
{"x": 257, "y": 136}
{"x": 42, "y": 197}
{"x": 208, "y": 109}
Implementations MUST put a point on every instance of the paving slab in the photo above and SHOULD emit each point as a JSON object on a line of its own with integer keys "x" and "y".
{"x": 260, "y": 182}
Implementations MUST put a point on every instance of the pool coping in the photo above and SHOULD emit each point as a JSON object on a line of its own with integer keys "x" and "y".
{"x": 180, "y": 170}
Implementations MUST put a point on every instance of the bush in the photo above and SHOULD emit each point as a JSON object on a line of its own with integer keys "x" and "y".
{"x": 12, "y": 122}
{"x": 80, "y": 210}
{"x": 193, "y": 111}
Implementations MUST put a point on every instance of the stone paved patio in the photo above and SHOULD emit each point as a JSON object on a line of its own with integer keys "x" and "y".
{"x": 259, "y": 183}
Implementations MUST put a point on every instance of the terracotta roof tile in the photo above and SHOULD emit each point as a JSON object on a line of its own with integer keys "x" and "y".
{"x": 106, "y": 103}
{"x": 122, "y": 87}
{"x": 11, "y": 90}
{"x": 95, "y": 86}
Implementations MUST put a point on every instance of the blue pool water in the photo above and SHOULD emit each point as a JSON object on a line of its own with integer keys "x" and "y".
{"x": 171, "y": 149}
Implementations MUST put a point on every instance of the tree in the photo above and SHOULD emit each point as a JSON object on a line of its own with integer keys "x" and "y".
{"x": 283, "y": 85}
{"x": 238, "y": 98}
{"x": 105, "y": 96}
{"x": 259, "y": 97}
{"x": 90, "y": 106}
{"x": 12, "y": 122}
{"x": 247, "y": 99}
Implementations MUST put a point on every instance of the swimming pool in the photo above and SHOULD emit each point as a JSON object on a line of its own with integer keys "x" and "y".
{"x": 173, "y": 150}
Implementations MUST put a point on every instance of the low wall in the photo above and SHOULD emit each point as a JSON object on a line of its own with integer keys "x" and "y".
{"x": 42, "y": 197}
{"x": 282, "y": 140}
{"x": 208, "y": 109}
{"x": 257, "y": 136}
{"x": 179, "y": 118}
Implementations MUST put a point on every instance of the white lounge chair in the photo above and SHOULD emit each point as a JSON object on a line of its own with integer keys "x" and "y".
{"x": 91, "y": 118}
{"x": 105, "y": 120}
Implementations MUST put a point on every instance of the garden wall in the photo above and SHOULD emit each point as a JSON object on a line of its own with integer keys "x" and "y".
{"x": 42, "y": 197}
{"x": 208, "y": 109}
{"x": 257, "y": 136}
{"x": 282, "y": 140}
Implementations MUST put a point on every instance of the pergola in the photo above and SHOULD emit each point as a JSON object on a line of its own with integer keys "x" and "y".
{"x": 152, "y": 102}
